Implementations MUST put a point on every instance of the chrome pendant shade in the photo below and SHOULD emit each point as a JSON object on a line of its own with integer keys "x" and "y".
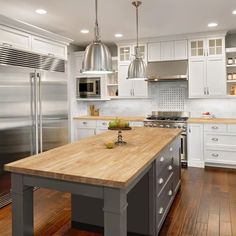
{"x": 137, "y": 68}
{"x": 97, "y": 57}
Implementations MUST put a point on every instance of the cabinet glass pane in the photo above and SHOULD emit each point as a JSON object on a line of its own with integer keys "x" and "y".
{"x": 219, "y": 50}
{"x": 200, "y": 44}
{"x": 212, "y": 51}
{"x": 194, "y": 52}
{"x": 193, "y": 44}
{"x": 219, "y": 42}
{"x": 212, "y": 43}
{"x": 200, "y": 52}
{"x": 124, "y": 53}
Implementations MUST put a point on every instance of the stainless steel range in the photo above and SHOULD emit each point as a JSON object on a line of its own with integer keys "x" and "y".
{"x": 177, "y": 120}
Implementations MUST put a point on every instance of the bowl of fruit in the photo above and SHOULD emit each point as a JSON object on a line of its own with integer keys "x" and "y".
{"x": 119, "y": 124}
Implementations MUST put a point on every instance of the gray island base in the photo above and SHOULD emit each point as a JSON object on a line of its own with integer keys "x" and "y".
{"x": 139, "y": 207}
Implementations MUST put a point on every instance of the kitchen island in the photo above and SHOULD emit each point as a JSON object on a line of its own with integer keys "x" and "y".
{"x": 87, "y": 168}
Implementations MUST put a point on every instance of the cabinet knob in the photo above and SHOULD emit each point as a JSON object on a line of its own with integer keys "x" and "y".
{"x": 171, "y": 149}
{"x": 160, "y": 181}
{"x": 84, "y": 122}
{"x": 104, "y": 123}
{"x": 170, "y": 193}
{"x": 214, "y": 139}
{"x": 170, "y": 167}
{"x": 215, "y": 127}
{"x": 162, "y": 159}
{"x": 161, "y": 210}
{"x": 215, "y": 154}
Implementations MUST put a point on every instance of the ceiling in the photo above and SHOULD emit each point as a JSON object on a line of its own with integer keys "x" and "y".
{"x": 157, "y": 17}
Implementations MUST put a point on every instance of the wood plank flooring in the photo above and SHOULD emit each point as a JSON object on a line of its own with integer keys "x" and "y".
{"x": 205, "y": 206}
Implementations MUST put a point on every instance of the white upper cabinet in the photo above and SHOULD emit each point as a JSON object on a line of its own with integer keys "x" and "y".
{"x": 124, "y": 53}
{"x": 130, "y": 88}
{"x": 207, "y": 70}
{"x": 181, "y": 50}
{"x": 48, "y": 47}
{"x": 168, "y": 50}
{"x": 154, "y": 52}
{"x": 14, "y": 38}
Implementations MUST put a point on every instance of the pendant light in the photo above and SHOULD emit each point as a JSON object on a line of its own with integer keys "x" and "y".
{"x": 137, "y": 68}
{"x": 97, "y": 57}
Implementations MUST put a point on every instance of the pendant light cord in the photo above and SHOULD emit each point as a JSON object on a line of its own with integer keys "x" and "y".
{"x": 96, "y": 29}
{"x": 137, "y": 24}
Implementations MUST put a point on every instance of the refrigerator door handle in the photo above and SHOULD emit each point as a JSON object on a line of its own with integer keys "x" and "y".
{"x": 36, "y": 113}
{"x": 40, "y": 114}
{"x": 32, "y": 113}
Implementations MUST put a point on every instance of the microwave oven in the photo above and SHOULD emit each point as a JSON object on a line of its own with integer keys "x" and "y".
{"x": 88, "y": 87}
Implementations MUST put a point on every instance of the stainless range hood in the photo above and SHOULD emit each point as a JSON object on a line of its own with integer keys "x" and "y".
{"x": 167, "y": 70}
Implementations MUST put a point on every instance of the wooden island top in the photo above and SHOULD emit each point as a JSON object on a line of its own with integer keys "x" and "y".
{"x": 88, "y": 161}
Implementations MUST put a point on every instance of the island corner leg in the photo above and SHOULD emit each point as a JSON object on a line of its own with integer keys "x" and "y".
{"x": 22, "y": 207}
{"x": 115, "y": 212}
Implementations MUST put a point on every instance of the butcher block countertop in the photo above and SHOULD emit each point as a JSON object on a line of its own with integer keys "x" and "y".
{"x": 88, "y": 161}
{"x": 128, "y": 118}
{"x": 212, "y": 120}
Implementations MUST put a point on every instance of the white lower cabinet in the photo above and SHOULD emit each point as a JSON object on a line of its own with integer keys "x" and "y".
{"x": 212, "y": 145}
{"x": 88, "y": 128}
{"x": 195, "y": 145}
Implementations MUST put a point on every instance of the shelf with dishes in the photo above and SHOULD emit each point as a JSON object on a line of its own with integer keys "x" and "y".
{"x": 231, "y": 71}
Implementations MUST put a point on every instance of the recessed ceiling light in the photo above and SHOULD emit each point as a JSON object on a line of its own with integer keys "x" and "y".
{"x": 84, "y": 31}
{"x": 213, "y": 24}
{"x": 41, "y": 11}
{"x": 118, "y": 35}
{"x": 234, "y": 12}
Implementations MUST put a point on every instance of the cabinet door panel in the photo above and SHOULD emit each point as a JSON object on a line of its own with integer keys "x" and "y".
{"x": 140, "y": 88}
{"x": 197, "y": 48}
{"x": 125, "y": 85}
{"x": 48, "y": 47}
{"x": 197, "y": 77}
{"x": 181, "y": 50}
{"x": 195, "y": 145}
{"x": 154, "y": 52}
{"x": 167, "y": 51}
{"x": 216, "y": 76}
{"x": 84, "y": 133}
{"x": 15, "y": 38}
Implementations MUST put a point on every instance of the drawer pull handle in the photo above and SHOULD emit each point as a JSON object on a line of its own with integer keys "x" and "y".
{"x": 214, "y": 139}
{"x": 162, "y": 159}
{"x": 215, "y": 154}
{"x": 171, "y": 149}
{"x": 104, "y": 123}
{"x": 170, "y": 193}
{"x": 215, "y": 127}
{"x": 84, "y": 122}
{"x": 161, "y": 210}
{"x": 170, "y": 167}
{"x": 160, "y": 181}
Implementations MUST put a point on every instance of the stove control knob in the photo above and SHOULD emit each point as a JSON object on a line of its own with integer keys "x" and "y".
{"x": 179, "y": 126}
{"x": 167, "y": 126}
{"x": 161, "y": 126}
{"x": 150, "y": 125}
{"x": 154, "y": 125}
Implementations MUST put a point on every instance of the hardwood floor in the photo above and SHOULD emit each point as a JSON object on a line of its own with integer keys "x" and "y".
{"x": 205, "y": 206}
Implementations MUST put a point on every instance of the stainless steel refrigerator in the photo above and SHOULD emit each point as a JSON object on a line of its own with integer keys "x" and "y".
{"x": 33, "y": 108}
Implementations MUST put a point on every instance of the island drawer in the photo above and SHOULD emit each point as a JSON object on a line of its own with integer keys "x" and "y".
{"x": 163, "y": 176}
{"x": 163, "y": 203}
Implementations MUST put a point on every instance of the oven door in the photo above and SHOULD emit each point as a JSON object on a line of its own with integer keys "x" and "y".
{"x": 88, "y": 87}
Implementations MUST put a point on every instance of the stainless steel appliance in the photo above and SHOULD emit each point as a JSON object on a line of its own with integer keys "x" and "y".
{"x": 167, "y": 70}
{"x": 88, "y": 87}
{"x": 175, "y": 120}
{"x": 33, "y": 108}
